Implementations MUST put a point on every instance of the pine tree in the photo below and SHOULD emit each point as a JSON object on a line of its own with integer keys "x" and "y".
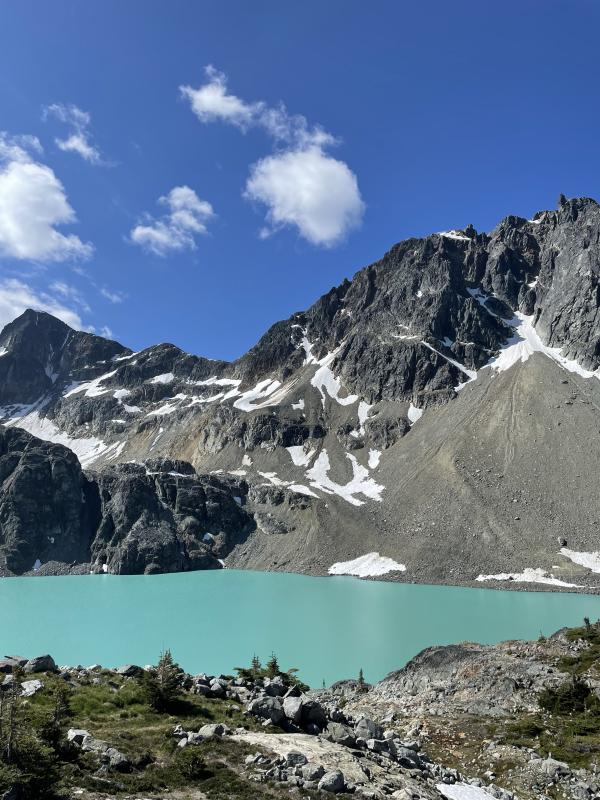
{"x": 256, "y": 667}
{"x": 272, "y": 668}
{"x": 361, "y": 679}
{"x": 162, "y": 684}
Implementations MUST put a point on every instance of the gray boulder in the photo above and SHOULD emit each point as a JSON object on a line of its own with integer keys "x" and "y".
{"x": 340, "y": 734}
{"x": 129, "y": 671}
{"x": 365, "y": 728}
{"x": 332, "y": 782}
{"x": 40, "y": 664}
{"x": 268, "y": 708}
{"x": 312, "y": 772}
{"x": 292, "y": 708}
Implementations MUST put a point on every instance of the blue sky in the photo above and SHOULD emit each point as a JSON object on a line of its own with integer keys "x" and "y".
{"x": 418, "y": 117}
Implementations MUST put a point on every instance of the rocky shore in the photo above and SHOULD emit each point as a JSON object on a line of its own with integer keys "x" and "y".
{"x": 463, "y": 722}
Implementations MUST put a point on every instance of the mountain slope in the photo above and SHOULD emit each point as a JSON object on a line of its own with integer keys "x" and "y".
{"x": 440, "y": 409}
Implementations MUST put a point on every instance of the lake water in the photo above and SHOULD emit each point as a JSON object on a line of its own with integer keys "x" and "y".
{"x": 216, "y": 620}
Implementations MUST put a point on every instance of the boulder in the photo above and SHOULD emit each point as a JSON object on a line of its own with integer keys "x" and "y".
{"x": 129, "y": 671}
{"x": 332, "y": 782}
{"x": 313, "y": 714}
{"x": 77, "y": 735}
{"x": 268, "y": 708}
{"x": 312, "y": 772}
{"x": 365, "y": 728}
{"x": 208, "y": 731}
{"x": 8, "y": 663}
{"x": 292, "y": 708}
{"x": 40, "y": 664}
{"x": 29, "y": 688}
{"x": 295, "y": 759}
{"x": 340, "y": 734}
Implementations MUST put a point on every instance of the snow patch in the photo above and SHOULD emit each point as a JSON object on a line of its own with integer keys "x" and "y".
{"x": 454, "y": 235}
{"x": 360, "y": 482}
{"x": 589, "y": 560}
{"x": 369, "y": 565}
{"x": 300, "y": 489}
{"x": 90, "y": 388}
{"x": 299, "y": 406}
{"x": 325, "y": 381}
{"x": 414, "y": 414}
{"x": 87, "y": 449}
{"x": 463, "y": 791}
{"x": 299, "y": 456}
{"x": 165, "y": 377}
{"x": 374, "y": 457}
{"x": 529, "y": 575}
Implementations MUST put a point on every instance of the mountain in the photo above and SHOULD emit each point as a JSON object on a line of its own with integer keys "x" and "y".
{"x": 435, "y": 419}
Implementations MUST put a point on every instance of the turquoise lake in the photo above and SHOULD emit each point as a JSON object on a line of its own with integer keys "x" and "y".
{"x": 216, "y": 620}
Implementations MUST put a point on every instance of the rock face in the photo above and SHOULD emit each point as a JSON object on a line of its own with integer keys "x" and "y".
{"x": 407, "y": 402}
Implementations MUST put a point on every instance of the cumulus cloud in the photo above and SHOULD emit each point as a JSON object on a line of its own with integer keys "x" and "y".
{"x": 17, "y": 296}
{"x": 300, "y": 184}
{"x": 32, "y": 203}
{"x": 309, "y": 189}
{"x": 79, "y": 140}
{"x": 176, "y": 230}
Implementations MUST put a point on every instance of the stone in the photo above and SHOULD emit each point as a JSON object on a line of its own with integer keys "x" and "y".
{"x": 77, "y": 735}
{"x": 8, "y": 663}
{"x": 340, "y": 734}
{"x": 295, "y": 759}
{"x": 40, "y": 664}
{"x": 332, "y": 782}
{"x": 208, "y": 731}
{"x": 29, "y": 688}
{"x": 129, "y": 671}
{"x": 312, "y": 772}
{"x": 366, "y": 728}
{"x": 269, "y": 708}
{"x": 292, "y": 708}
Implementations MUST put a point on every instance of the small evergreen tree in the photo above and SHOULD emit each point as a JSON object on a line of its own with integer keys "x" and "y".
{"x": 272, "y": 668}
{"x": 361, "y": 679}
{"x": 162, "y": 684}
{"x": 256, "y": 667}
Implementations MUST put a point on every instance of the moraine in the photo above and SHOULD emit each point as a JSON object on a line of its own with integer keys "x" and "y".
{"x": 216, "y": 620}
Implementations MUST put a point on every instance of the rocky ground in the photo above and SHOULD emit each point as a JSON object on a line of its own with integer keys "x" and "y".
{"x": 464, "y": 722}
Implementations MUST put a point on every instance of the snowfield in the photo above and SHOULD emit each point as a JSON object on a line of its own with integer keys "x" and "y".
{"x": 367, "y": 566}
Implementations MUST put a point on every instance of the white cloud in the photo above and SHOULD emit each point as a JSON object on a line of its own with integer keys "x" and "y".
{"x": 70, "y": 293}
{"x": 310, "y": 190}
{"x": 32, "y": 203}
{"x": 211, "y": 102}
{"x": 17, "y": 296}
{"x": 112, "y": 296}
{"x": 176, "y": 230}
{"x": 300, "y": 185}
{"x": 79, "y": 139}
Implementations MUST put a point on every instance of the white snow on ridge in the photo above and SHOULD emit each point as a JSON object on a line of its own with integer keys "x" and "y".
{"x": 414, "y": 414}
{"x": 90, "y": 388}
{"x": 454, "y": 235}
{"x": 299, "y": 456}
{"x": 261, "y": 391}
{"x": 589, "y": 560}
{"x": 166, "y": 377}
{"x": 525, "y": 342}
{"x": 360, "y": 483}
{"x": 87, "y": 449}
{"x": 300, "y": 489}
{"x": 325, "y": 381}
{"x": 369, "y": 565}
{"x": 374, "y": 457}
{"x": 529, "y": 575}
{"x": 463, "y": 791}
